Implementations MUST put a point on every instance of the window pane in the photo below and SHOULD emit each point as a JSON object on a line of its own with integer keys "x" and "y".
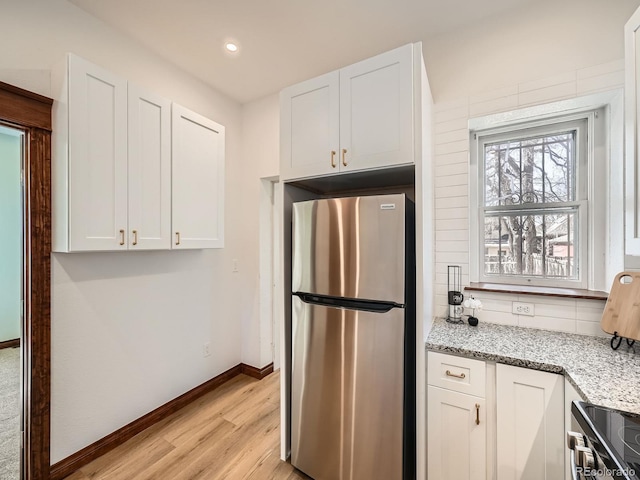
{"x": 559, "y": 168}
{"x": 534, "y": 170}
{"x": 532, "y": 245}
{"x": 492, "y": 175}
{"x": 510, "y": 175}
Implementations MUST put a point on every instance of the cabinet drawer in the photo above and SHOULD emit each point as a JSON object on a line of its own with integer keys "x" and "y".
{"x": 456, "y": 373}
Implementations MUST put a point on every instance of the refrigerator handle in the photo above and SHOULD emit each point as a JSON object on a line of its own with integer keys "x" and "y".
{"x": 348, "y": 303}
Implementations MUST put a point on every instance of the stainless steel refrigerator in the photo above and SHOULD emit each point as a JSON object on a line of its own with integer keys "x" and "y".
{"x": 353, "y": 338}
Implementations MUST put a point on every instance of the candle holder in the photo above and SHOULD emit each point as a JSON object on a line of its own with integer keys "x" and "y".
{"x": 455, "y": 296}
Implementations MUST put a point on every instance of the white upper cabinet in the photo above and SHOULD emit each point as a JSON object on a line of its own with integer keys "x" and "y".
{"x": 376, "y": 111}
{"x": 90, "y": 158}
{"x": 632, "y": 136}
{"x": 123, "y": 173}
{"x": 310, "y": 137}
{"x": 356, "y": 118}
{"x": 198, "y": 150}
{"x": 149, "y": 128}
{"x": 111, "y": 163}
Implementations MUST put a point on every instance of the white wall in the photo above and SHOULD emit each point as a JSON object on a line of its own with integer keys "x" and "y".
{"x": 545, "y": 52}
{"x": 538, "y": 41}
{"x": 11, "y": 235}
{"x": 261, "y": 149}
{"x": 128, "y": 328}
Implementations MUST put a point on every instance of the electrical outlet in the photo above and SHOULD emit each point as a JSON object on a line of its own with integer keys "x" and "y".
{"x": 520, "y": 308}
{"x": 206, "y": 349}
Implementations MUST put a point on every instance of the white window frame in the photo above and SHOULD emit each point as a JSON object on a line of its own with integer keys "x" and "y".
{"x": 592, "y": 246}
{"x": 580, "y": 125}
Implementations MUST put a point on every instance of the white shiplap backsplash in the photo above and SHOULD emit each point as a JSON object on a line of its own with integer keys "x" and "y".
{"x": 452, "y": 195}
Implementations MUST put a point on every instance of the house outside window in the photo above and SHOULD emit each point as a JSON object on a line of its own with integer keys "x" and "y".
{"x": 532, "y": 198}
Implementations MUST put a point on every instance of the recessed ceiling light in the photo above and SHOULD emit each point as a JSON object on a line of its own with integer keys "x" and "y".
{"x": 231, "y": 47}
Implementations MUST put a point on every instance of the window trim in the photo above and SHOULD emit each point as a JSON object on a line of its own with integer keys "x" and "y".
{"x": 580, "y": 125}
{"x": 591, "y": 190}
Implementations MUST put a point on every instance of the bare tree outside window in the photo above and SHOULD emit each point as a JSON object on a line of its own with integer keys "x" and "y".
{"x": 530, "y": 211}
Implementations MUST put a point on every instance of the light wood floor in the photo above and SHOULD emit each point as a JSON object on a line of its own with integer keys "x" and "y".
{"x": 231, "y": 433}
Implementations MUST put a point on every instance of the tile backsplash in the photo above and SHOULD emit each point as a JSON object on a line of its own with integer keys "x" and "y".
{"x": 550, "y": 313}
{"x": 451, "y": 172}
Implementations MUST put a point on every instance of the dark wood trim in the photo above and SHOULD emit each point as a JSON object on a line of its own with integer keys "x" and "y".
{"x": 10, "y": 343}
{"x": 24, "y": 108}
{"x": 258, "y": 373}
{"x": 81, "y": 458}
{"x": 542, "y": 291}
{"x": 37, "y": 324}
{"x": 31, "y": 113}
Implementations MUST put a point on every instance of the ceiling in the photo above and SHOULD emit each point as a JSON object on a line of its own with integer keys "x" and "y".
{"x": 282, "y": 42}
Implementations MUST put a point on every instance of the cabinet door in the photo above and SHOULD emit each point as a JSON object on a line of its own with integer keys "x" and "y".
{"x": 149, "y": 130}
{"x": 376, "y": 111}
{"x": 632, "y": 135}
{"x": 197, "y": 180}
{"x": 570, "y": 423}
{"x": 97, "y": 173}
{"x": 457, "y": 435}
{"x": 530, "y": 424}
{"x": 309, "y": 129}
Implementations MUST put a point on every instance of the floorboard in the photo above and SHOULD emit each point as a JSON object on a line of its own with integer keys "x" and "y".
{"x": 230, "y": 433}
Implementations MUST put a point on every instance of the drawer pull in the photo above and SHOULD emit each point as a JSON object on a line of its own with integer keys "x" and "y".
{"x": 455, "y": 375}
{"x": 477, "y": 414}
{"x": 333, "y": 156}
{"x": 344, "y": 160}
{"x": 121, "y": 237}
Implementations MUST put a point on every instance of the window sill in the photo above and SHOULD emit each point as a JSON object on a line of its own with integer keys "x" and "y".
{"x": 541, "y": 291}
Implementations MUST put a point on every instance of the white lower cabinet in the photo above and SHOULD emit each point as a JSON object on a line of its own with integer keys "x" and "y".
{"x": 488, "y": 421}
{"x": 457, "y": 435}
{"x": 456, "y": 418}
{"x": 570, "y": 423}
{"x": 530, "y": 424}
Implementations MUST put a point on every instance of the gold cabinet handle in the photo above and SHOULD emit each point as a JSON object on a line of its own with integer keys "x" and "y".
{"x": 135, "y": 236}
{"x": 477, "y": 414}
{"x": 121, "y": 237}
{"x": 344, "y": 160}
{"x": 333, "y": 159}
{"x": 455, "y": 375}
{"x": 177, "y": 238}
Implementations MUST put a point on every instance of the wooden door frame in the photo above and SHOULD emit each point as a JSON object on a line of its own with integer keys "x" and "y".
{"x": 31, "y": 113}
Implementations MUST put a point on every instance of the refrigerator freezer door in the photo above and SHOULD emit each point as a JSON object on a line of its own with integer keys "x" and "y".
{"x": 350, "y": 247}
{"x": 347, "y": 392}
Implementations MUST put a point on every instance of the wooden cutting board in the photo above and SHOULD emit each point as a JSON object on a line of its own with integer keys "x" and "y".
{"x": 622, "y": 311}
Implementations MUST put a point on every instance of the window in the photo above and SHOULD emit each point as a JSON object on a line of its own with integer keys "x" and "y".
{"x": 532, "y": 199}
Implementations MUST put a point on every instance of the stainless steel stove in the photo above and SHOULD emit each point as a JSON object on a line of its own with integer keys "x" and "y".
{"x": 608, "y": 445}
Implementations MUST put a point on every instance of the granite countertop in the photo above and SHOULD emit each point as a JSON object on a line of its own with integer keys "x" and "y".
{"x": 601, "y": 375}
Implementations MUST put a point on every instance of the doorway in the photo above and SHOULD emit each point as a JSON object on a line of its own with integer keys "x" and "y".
{"x": 11, "y": 299}
{"x": 270, "y": 272}
{"x": 30, "y": 115}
